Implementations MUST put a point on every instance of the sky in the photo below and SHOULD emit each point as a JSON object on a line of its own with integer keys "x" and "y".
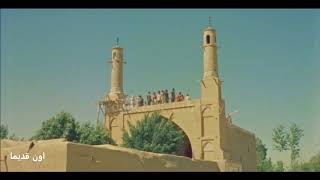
{"x": 269, "y": 61}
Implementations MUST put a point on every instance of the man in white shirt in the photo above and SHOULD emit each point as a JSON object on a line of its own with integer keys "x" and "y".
{"x": 187, "y": 97}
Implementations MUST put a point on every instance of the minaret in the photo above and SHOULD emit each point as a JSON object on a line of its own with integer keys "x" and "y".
{"x": 116, "y": 90}
{"x": 210, "y": 52}
{"x": 212, "y": 105}
{"x": 211, "y": 84}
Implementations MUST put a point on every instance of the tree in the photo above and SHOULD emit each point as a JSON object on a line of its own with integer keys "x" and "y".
{"x": 3, "y": 131}
{"x": 288, "y": 140}
{"x": 278, "y": 167}
{"x": 312, "y": 165}
{"x": 263, "y": 164}
{"x": 154, "y": 133}
{"x": 315, "y": 162}
{"x": 94, "y": 136}
{"x": 261, "y": 150}
{"x": 294, "y": 136}
{"x": 280, "y": 138}
{"x": 62, "y": 125}
{"x": 267, "y": 166}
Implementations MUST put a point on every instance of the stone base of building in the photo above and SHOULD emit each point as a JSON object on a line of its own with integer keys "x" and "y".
{"x": 63, "y": 156}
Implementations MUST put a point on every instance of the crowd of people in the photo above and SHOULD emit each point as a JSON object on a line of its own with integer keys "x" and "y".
{"x": 159, "y": 97}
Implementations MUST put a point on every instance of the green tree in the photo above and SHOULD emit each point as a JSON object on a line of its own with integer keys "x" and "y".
{"x": 313, "y": 165}
{"x": 3, "y": 131}
{"x": 315, "y": 162}
{"x": 261, "y": 150}
{"x": 263, "y": 164}
{"x": 278, "y": 167}
{"x": 280, "y": 138}
{"x": 267, "y": 166}
{"x": 62, "y": 125}
{"x": 294, "y": 137}
{"x": 94, "y": 135}
{"x": 154, "y": 133}
{"x": 290, "y": 140}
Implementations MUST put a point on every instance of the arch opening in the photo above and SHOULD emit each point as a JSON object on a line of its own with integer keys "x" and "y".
{"x": 159, "y": 134}
{"x": 184, "y": 148}
{"x": 208, "y": 39}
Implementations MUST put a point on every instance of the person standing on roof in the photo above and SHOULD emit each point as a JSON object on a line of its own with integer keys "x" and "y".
{"x": 173, "y": 95}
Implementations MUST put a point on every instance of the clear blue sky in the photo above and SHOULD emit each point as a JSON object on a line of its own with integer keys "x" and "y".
{"x": 269, "y": 60}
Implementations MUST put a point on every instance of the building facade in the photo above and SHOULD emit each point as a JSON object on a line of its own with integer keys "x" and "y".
{"x": 211, "y": 133}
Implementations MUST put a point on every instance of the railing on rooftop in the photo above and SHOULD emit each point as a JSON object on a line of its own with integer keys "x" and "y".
{"x": 162, "y": 106}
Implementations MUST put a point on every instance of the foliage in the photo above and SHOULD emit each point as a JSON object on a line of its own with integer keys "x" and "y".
{"x": 64, "y": 125}
{"x": 295, "y": 134}
{"x": 313, "y": 165}
{"x": 3, "y": 131}
{"x": 278, "y": 167}
{"x": 154, "y": 133}
{"x": 263, "y": 164}
{"x": 280, "y": 138}
{"x": 261, "y": 150}
{"x": 94, "y": 136}
{"x": 266, "y": 166}
{"x": 288, "y": 140}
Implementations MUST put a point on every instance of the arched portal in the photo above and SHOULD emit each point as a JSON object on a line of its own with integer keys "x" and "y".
{"x": 181, "y": 121}
{"x": 185, "y": 148}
